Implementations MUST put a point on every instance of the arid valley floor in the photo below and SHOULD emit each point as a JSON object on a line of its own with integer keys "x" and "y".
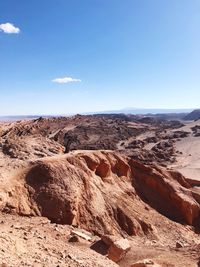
{"x": 72, "y": 187}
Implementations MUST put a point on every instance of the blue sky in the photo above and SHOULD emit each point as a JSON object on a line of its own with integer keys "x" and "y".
{"x": 112, "y": 54}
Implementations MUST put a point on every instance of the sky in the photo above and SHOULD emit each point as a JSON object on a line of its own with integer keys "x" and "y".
{"x": 73, "y": 56}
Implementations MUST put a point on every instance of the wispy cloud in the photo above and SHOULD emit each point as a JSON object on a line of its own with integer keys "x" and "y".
{"x": 65, "y": 80}
{"x": 9, "y": 28}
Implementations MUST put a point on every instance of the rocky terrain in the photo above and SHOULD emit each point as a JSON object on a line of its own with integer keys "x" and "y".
{"x": 194, "y": 115}
{"x": 131, "y": 181}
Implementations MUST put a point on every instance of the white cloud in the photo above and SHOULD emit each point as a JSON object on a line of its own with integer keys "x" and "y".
{"x": 65, "y": 80}
{"x": 9, "y": 28}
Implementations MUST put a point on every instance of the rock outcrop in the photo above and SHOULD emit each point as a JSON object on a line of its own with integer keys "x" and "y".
{"x": 106, "y": 193}
{"x": 167, "y": 192}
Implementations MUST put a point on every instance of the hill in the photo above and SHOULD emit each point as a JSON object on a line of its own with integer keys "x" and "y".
{"x": 194, "y": 115}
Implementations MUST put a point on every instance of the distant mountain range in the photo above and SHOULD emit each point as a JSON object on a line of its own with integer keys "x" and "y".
{"x": 22, "y": 117}
{"x": 147, "y": 111}
{"x": 169, "y": 113}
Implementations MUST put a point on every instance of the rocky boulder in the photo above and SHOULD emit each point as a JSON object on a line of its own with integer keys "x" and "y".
{"x": 117, "y": 251}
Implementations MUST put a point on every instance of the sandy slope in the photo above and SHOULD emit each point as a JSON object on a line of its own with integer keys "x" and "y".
{"x": 37, "y": 243}
{"x": 188, "y": 163}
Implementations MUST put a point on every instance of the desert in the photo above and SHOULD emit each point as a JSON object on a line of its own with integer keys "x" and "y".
{"x": 127, "y": 177}
{"x": 99, "y": 133}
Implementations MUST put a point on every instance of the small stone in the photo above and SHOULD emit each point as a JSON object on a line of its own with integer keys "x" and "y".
{"x": 82, "y": 233}
{"x": 73, "y": 238}
{"x": 145, "y": 263}
{"x": 179, "y": 245}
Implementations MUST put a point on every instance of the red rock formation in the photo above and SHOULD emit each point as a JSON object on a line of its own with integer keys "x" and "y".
{"x": 167, "y": 192}
{"x": 99, "y": 191}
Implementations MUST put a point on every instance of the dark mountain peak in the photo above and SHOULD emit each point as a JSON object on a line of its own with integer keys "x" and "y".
{"x": 194, "y": 115}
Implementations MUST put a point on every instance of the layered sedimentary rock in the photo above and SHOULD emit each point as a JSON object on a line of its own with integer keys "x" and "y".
{"x": 107, "y": 193}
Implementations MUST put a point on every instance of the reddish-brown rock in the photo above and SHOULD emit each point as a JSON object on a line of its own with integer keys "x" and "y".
{"x": 118, "y": 250}
{"x": 106, "y": 193}
{"x": 167, "y": 192}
